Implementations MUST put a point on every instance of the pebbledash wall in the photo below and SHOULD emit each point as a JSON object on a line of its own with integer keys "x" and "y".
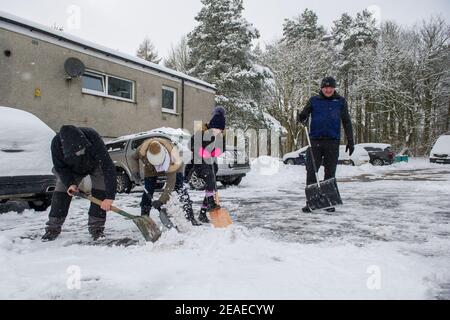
{"x": 33, "y": 78}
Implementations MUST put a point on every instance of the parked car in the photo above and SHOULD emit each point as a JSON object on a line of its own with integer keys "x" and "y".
{"x": 380, "y": 154}
{"x": 25, "y": 159}
{"x": 441, "y": 150}
{"x": 121, "y": 150}
{"x": 358, "y": 158}
{"x": 296, "y": 158}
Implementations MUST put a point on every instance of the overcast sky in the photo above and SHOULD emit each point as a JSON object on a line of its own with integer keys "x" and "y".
{"x": 122, "y": 24}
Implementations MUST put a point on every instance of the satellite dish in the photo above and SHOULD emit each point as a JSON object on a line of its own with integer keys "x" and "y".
{"x": 74, "y": 67}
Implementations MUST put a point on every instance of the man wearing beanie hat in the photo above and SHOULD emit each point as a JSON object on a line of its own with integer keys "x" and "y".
{"x": 160, "y": 157}
{"x": 78, "y": 153}
{"x": 327, "y": 111}
{"x": 207, "y": 145}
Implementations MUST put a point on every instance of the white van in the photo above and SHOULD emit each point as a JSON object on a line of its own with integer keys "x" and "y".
{"x": 441, "y": 150}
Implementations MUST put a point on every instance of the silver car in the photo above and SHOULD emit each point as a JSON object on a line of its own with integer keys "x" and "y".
{"x": 229, "y": 171}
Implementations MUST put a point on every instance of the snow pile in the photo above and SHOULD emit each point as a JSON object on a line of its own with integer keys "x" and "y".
{"x": 24, "y": 144}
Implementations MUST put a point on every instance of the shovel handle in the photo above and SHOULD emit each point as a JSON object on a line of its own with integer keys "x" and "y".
{"x": 99, "y": 203}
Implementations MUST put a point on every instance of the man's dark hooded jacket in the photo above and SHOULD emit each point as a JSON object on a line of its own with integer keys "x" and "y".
{"x": 69, "y": 166}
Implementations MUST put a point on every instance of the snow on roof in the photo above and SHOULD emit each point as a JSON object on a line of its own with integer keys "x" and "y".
{"x": 12, "y": 19}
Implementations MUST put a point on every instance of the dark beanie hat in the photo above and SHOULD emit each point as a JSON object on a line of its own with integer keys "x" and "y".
{"x": 218, "y": 120}
{"x": 328, "y": 82}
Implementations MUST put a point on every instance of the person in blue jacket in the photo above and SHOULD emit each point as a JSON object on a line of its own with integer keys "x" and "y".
{"x": 327, "y": 111}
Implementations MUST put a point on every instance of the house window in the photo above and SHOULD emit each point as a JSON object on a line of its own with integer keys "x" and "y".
{"x": 108, "y": 86}
{"x": 169, "y": 100}
{"x": 93, "y": 82}
{"x": 120, "y": 88}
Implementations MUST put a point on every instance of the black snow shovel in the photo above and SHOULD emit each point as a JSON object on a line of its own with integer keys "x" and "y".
{"x": 146, "y": 225}
{"x": 323, "y": 195}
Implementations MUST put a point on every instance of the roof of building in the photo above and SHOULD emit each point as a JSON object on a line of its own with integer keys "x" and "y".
{"x": 87, "y": 45}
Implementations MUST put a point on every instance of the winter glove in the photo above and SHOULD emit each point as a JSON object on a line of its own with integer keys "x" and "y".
{"x": 304, "y": 122}
{"x": 157, "y": 205}
{"x": 350, "y": 147}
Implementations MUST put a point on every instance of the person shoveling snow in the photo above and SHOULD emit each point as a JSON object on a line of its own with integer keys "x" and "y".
{"x": 78, "y": 153}
{"x": 327, "y": 111}
{"x": 161, "y": 157}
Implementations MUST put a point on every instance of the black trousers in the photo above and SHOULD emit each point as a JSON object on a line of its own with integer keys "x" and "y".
{"x": 208, "y": 173}
{"x": 61, "y": 203}
{"x": 326, "y": 153}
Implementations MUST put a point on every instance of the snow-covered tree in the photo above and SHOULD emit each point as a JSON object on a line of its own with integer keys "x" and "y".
{"x": 305, "y": 26}
{"x": 296, "y": 72}
{"x": 148, "y": 52}
{"x": 221, "y": 54}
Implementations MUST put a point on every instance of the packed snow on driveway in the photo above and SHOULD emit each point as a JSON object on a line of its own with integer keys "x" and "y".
{"x": 391, "y": 240}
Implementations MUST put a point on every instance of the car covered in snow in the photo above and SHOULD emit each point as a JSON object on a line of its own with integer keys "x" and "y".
{"x": 358, "y": 158}
{"x": 230, "y": 171}
{"x": 296, "y": 158}
{"x": 25, "y": 159}
{"x": 381, "y": 154}
{"x": 441, "y": 150}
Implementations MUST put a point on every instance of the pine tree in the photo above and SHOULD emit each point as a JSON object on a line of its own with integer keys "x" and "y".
{"x": 304, "y": 26}
{"x": 148, "y": 52}
{"x": 221, "y": 54}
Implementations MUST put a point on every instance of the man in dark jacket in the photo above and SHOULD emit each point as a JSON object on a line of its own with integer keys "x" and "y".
{"x": 78, "y": 153}
{"x": 327, "y": 111}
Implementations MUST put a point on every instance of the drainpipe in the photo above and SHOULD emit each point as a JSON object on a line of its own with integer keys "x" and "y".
{"x": 182, "y": 103}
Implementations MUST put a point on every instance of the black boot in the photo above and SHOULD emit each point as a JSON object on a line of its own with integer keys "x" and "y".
{"x": 97, "y": 234}
{"x": 145, "y": 211}
{"x": 51, "y": 235}
{"x": 210, "y": 203}
{"x": 306, "y": 210}
{"x": 203, "y": 217}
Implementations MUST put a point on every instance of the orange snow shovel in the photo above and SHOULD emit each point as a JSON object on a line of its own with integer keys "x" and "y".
{"x": 220, "y": 218}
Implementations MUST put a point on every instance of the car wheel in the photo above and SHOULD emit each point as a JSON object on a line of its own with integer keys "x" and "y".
{"x": 237, "y": 181}
{"x": 40, "y": 205}
{"x": 196, "y": 182}
{"x": 378, "y": 163}
{"x": 290, "y": 162}
{"x": 124, "y": 184}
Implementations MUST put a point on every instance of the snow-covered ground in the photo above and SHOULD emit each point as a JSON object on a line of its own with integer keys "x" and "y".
{"x": 389, "y": 241}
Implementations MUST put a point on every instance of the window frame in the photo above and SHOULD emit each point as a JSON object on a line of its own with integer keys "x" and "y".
{"x": 175, "y": 100}
{"x": 105, "y": 93}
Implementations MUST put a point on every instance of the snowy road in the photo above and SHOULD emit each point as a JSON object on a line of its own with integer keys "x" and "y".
{"x": 391, "y": 240}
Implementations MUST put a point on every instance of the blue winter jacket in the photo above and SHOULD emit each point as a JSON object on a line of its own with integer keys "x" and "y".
{"x": 326, "y": 117}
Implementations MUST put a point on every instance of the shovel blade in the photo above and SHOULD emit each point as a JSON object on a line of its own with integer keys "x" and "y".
{"x": 148, "y": 228}
{"x": 220, "y": 218}
{"x": 324, "y": 196}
